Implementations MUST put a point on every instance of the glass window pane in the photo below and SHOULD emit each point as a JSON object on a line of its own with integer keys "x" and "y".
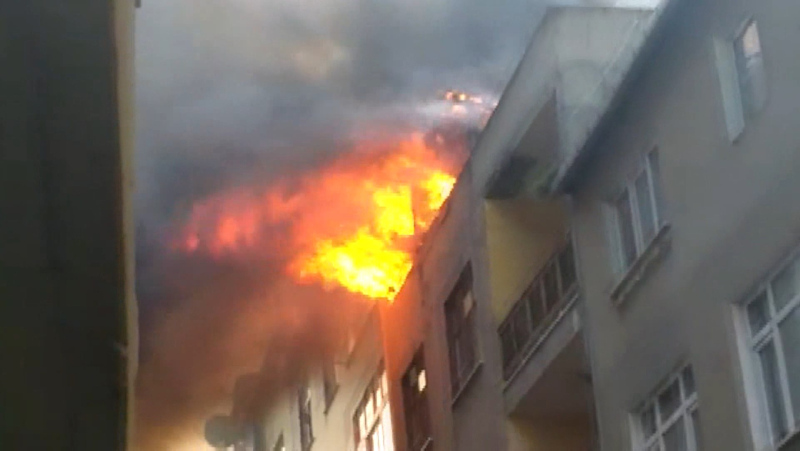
{"x": 648, "y": 420}
{"x": 688, "y": 381}
{"x": 784, "y": 286}
{"x": 566, "y": 263}
{"x": 772, "y": 388}
{"x": 507, "y": 345}
{"x": 790, "y": 334}
{"x": 521, "y": 325}
{"x": 675, "y": 437}
{"x": 750, "y": 65}
{"x": 627, "y": 240}
{"x": 646, "y": 213}
{"x": 655, "y": 170}
{"x": 669, "y": 400}
{"x": 535, "y": 305}
{"x": 550, "y": 282}
{"x": 698, "y": 433}
{"x": 758, "y": 313}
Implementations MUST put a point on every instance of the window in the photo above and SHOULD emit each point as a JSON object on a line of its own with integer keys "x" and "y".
{"x": 750, "y": 68}
{"x": 330, "y": 384}
{"x": 670, "y": 421}
{"x": 372, "y": 421}
{"x": 306, "y": 430}
{"x": 279, "y": 446}
{"x": 742, "y": 77}
{"x": 773, "y": 320}
{"x": 637, "y": 214}
{"x": 551, "y": 289}
{"x": 415, "y": 401}
{"x": 459, "y": 310}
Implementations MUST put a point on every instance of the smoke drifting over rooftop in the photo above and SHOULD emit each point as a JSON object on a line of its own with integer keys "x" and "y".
{"x": 241, "y": 92}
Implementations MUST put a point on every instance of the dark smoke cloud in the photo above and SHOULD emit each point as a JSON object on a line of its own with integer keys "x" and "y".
{"x": 236, "y": 92}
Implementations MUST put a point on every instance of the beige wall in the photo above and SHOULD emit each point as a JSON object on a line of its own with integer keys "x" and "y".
{"x": 551, "y": 434}
{"x": 521, "y": 236}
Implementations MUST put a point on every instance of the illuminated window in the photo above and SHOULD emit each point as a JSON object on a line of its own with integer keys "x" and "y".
{"x": 460, "y": 318}
{"x": 773, "y": 322}
{"x": 670, "y": 421}
{"x": 306, "y": 429}
{"x": 415, "y": 402}
{"x": 372, "y": 421}
{"x": 638, "y": 214}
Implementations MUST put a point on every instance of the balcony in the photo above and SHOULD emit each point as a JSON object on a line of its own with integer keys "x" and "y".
{"x": 563, "y": 87}
{"x": 548, "y": 392}
{"x": 549, "y": 297}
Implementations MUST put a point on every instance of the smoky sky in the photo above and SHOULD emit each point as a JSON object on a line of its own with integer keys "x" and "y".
{"x": 233, "y": 92}
{"x": 229, "y": 88}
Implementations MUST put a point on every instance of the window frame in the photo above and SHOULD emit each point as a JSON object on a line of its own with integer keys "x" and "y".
{"x": 736, "y": 111}
{"x": 462, "y": 329}
{"x": 330, "y": 382}
{"x": 749, "y": 108}
{"x": 415, "y": 403}
{"x": 658, "y": 213}
{"x": 379, "y": 383}
{"x": 305, "y": 417}
{"x": 753, "y": 342}
{"x": 689, "y": 405}
{"x": 523, "y": 344}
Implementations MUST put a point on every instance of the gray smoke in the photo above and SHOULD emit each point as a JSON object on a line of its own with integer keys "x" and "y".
{"x": 233, "y": 92}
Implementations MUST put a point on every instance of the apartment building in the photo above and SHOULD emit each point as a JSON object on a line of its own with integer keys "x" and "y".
{"x": 617, "y": 267}
{"x": 68, "y": 324}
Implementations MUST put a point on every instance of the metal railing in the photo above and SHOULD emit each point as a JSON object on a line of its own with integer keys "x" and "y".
{"x": 550, "y": 291}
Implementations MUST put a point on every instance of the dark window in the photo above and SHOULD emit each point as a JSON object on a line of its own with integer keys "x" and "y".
{"x": 329, "y": 382}
{"x": 304, "y": 407}
{"x": 566, "y": 265}
{"x": 415, "y": 401}
{"x": 460, "y": 318}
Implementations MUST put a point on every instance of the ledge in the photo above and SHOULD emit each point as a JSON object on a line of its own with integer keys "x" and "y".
{"x": 639, "y": 269}
{"x": 467, "y": 383}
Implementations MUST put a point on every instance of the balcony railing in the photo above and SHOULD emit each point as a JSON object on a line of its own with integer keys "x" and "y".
{"x": 551, "y": 291}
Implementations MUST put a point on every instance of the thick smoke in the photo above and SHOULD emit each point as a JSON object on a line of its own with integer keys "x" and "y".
{"x": 234, "y": 92}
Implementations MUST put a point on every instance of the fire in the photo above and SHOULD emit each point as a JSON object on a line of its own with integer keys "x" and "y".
{"x": 354, "y": 224}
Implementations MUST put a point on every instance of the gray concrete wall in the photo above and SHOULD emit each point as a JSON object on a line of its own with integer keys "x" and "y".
{"x": 65, "y": 290}
{"x": 475, "y": 420}
{"x": 732, "y": 208}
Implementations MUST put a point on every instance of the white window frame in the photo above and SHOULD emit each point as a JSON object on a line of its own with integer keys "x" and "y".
{"x": 633, "y": 202}
{"x": 751, "y": 344}
{"x": 730, "y": 79}
{"x": 374, "y": 420}
{"x": 689, "y": 405}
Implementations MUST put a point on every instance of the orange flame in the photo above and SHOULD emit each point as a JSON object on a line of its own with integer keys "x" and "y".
{"x": 353, "y": 224}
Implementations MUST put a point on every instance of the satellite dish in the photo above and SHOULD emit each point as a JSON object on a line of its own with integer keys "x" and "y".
{"x": 221, "y": 431}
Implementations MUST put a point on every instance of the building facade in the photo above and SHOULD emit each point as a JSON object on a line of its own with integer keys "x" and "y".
{"x": 68, "y": 318}
{"x": 617, "y": 266}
